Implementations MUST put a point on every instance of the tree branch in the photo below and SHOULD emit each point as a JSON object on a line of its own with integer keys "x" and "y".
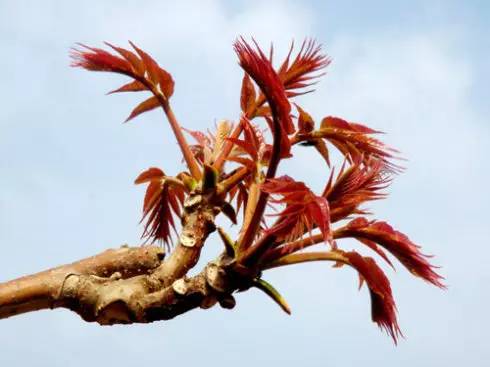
{"x": 39, "y": 291}
{"x": 112, "y": 287}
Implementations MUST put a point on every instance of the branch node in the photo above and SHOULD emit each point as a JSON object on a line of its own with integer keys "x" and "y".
{"x": 187, "y": 239}
{"x": 216, "y": 278}
{"x": 192, "y": 201}
{"x": 180, "y": 286}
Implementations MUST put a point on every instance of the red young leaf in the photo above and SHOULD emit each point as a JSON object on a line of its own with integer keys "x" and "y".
{"x": 162, "y": 201}
{"x": 335, "y": 122}
{"x": 373, "y": 246}
{"x": 241, "y": 193}
{"x": 96, "y": 59}
{"x": 201, "y": 138}
{"x": 398, "y": 244}
{"x": 321, "y": 147}
{"x": 151, "y": 65}
{"x": 209, "y": 145}
{"x": 305, "y": 121}
{"x": 134, "y": 86}
{"x": 354, "y": 142}
{"x": 248, "y": 94}
{"x": 258, "y": 66}
{"x": 136, "y": 63}
{"x": 306, "y": 124}
{"x": 366, "y": 172}
{"x": 383, "y": 308}
{"x": 141, "y": 67}
{"x": 303, "y": 211}
{"x": 301, "y": 72}
{"x": 157, "y": 75}
{"x": 252, "y": 144}
{"x": 145, "y": 106}
{"x": 354, "y": 186}
{"x": 151, "y": 173}
{"x": 264, "y": 111}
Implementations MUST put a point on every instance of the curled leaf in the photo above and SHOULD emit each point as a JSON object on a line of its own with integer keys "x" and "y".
{"x": 150, "y": 174}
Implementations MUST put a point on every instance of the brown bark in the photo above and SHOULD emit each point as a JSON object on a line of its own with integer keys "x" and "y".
{"x": 130, "y": 285}
{"x": 38, "y": 291}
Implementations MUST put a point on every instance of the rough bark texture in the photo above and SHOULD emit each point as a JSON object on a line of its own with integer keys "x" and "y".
{"x": 129, "y": 285}
{"x": 38, "y": 291}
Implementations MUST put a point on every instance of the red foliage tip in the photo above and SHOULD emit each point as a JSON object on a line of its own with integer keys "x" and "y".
{"x": 301, "y": 72}
{"x": 247, "y": 94}
{"x": 139, "y": 66}
{"x": 303, "y": 209}
{"x": 203, "y": 149}
{"x": 96, "y": 59}
{"x": 259, "y": 67}
{"x": 356, "y": 185}
{"x": 355, "y": 143}
{"x": 397, "y": 243}
{"x": 383, "y": 308}
{"x": 161, "y": 203}
{"x": 253, "y": 144}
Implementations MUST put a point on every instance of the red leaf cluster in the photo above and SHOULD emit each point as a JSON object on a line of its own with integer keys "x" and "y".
{"x": 355, "y": 185}
{"x": 300, "y": 73}
{"x": 367, "y": 170}
{"x": 162, "y": 202}
{"x": 240, "y": 192}
{"x": 383, "y": 308}
{"x": 140, "y": 66}
{"x": 354, "y": 141}
{"x": 304, "y": 210}
{"x": 397, "y": 243}
{"x": 204, "y": 147}
{"x": 259, "y": 67}
{"x": 253, "y": 145}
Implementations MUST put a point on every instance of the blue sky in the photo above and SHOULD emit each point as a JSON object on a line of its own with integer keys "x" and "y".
{"x": 417, "y": 70}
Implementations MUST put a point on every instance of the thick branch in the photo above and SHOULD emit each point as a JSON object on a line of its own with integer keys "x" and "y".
{"x": 38, "y": 291}
{"x": 115, "y": 286}
{"x": 118, "y": 300}
{"x": 197, "y": 224}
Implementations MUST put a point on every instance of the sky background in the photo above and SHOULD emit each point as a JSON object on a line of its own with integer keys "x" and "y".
{"x": 417, "y": 70}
